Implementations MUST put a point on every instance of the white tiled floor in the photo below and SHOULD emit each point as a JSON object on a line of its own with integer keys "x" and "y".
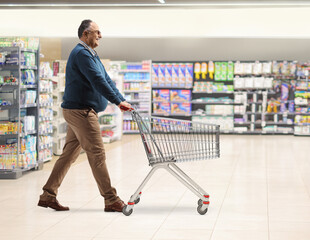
{"x": 259, "y": 190}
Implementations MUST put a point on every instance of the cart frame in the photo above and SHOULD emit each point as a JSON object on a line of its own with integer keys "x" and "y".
{"x": 199, "y": 139}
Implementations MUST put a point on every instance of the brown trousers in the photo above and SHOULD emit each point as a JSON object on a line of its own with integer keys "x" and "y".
{"x": 83, "y": 132}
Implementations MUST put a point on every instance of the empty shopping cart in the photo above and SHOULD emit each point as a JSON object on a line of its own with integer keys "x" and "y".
{"x": 169, "y": 141}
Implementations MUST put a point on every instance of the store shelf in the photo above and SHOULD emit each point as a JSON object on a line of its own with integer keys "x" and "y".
{"x": 214, "y": 103}
{"x": 278, "y": 123}
{"x": 102, "y": 126}
{"x": 301, "y": 124}
{"x": 45, "y": 146}
{"x": 208, "y": 92}
{"x": 165, "y": 87}
{"x": 28, "y": 86}
{"x": 7, "y": 107}
{"x": 42, "y": 119}
{"x": 243, "y": 123}
{"x": 134, "y": 70}
{"x": 171, "y": 115}
{"x": 14, "y": 135}
{"x": 29, "y": 67}
{"x": 207, "y": 114}
{"x": 30, "y": 105}
{"x": 136, "y": 91}
{"x": 136, "y": 81}
{"x": 130, "y": 131}
{"x": 138, "y": 100}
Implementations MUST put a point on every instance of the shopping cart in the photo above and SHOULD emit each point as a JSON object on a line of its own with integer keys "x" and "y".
{"x": 169, "y": 141}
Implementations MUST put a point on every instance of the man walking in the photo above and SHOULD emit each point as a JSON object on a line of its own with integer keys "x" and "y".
{"x": 87, "y": 92}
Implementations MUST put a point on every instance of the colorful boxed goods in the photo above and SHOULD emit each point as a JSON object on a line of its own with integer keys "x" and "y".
{"x": 168, "y": 75}
{"x": 180, "y": 95}
{"x": 175, "y": 75}
{"x": 161, "y": 75}
{"x": 181, "y": 108}
{"x": 162, "y": 108}
{"x": 162, "y": 95}
{"x": 155, "y": 75}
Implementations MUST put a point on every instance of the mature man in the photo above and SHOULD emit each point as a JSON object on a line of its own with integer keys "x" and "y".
{"x": 88, "y": 90}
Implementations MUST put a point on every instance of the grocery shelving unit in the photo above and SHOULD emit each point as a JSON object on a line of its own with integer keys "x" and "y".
{"x": 212, "y": 95}
{"x": 19, "y": 116}
{"x": 59, "y": 123}
{"x": 111, "y": 121}
{"x": 136, "y": 78}
{"x": 45, "y": 113}
{"x": 302, "y": 102}
{"x": 244, "y": 97}
{"x": 172, "y": 84}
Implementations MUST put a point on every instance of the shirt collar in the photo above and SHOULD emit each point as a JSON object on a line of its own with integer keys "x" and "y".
{"x": 92, "y": 51}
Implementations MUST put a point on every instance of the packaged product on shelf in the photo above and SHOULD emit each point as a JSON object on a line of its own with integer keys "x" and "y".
{"x": 29, "y": 58}
{"x": 293, "y": 68}
{"x": 162, "y": 108}
{"x": 284, "y": 68}
{"x": 175, "y": 75}
{"x": 12, "y": 59}
{"x": 203, "y": 70}
{"x": 267, "y": 67}
{"x": 230, "y": 71}
{"x": 181, "y": 108}
{"x": 275, "y": 68}
{"x": 217, "y": 72}
{"x": 197, "y": 70}
{"x": 211, "y": 69}
{"x": 249, "y": 83}
{"x": 182, "y": 75}
{"x": 168, "y": 75}
{"x": 284, "y": 97}
{"x": 29, "y": 123}
{"x": 248, "y": 68}
{"x": 224, "y": 66}
{"x": 238, "y": 68}
{"x": 180, "y": 95}
{"x": 163, "y": 95}
{"x": 30, "y": 97}
{"x": 189, "y": 75}
{"x": 259, "y": 82}
{"x": 2, "y": 58}
{"x": 161, "y": 75}
{"x": 28, "y": 77}
{"x": 268, "y": 83}
{"x": 257, "y": 68}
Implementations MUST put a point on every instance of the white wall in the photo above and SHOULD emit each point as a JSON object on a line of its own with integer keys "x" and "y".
{"x": 180, "y": 22}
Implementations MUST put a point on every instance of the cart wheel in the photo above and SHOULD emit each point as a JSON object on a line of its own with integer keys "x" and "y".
{"x": 137, "y": 200}
{"x": 125, "y": 212}
{"x": 199, "y": 202}
{"x": 200, "y": 211}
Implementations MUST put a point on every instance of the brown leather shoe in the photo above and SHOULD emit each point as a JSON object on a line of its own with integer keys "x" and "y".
{"x": 54, "y": 204}
{"x": 115, "y": 207}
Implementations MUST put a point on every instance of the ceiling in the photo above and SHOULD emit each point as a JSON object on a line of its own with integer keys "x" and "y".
{"x": 146, "y": 3}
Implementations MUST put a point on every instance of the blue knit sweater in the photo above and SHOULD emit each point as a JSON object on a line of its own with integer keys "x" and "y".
{"x": 87, "y": 83}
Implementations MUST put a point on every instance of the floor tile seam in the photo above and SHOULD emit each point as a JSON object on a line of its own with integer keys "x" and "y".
{"x": 225, "y": 195}
{"x": 165, "y": 219}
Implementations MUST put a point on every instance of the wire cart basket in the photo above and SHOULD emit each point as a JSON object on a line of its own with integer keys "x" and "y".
{"x": 170, "y": 141}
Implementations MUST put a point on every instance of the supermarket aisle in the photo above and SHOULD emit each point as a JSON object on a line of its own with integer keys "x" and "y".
{"x": 259, "y": 189}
